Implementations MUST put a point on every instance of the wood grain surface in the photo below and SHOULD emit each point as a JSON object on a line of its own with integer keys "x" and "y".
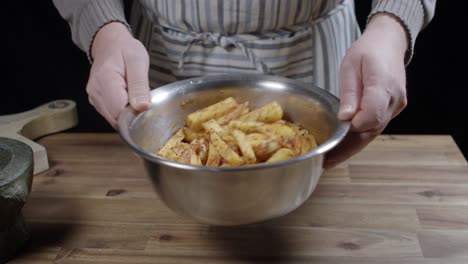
{"x": 404, "y": 199}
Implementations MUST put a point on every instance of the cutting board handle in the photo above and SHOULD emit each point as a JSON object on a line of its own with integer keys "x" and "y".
{"x": 48, "y": 118}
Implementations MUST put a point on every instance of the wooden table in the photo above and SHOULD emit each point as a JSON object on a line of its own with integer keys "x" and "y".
{"x": 402, "y": 200}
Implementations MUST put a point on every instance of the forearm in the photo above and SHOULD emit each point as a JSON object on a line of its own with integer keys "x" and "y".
{"x": 86, "y": 17}
{"x": 413, "y": 15}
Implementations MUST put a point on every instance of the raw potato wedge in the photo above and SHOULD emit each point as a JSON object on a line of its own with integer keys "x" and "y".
{"x": 264, "y": 146}
{"x": 176, "y": 138}
{"x": 238, "y": 111}
{"x": 227, "y": 154}
{"x": 226, "y": 134}
{"x": 213, "y": 126}
{"x": 277, "y": 130}
{"x": 244, "y": 146}
{"x": 197, "y": 118}
{"x": 293, "y": 143}
{"x": 308, "y": 143}
{"x": 200, "y": 146}
{"x": 190, "y": 134}
{"x": 247, "y": 126}
{"x": 194, "y": 159}
{"x": 214, "y": 159}
{"x": 268, "y": 113}
{"x": 281, "y": 154}
{"x": 183, "y": 153}
{"x": 297, "y": 129}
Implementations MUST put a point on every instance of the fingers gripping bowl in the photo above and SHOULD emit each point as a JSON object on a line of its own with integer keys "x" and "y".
{"x": 233, "y": 195}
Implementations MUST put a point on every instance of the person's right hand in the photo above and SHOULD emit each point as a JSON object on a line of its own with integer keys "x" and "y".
{"x": 119, "y": 73}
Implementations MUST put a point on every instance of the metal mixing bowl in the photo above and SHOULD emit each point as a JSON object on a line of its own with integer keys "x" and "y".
{"x": 233, "y": 195}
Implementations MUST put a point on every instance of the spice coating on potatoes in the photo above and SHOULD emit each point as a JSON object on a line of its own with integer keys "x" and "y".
{"x": 229, "y": 134}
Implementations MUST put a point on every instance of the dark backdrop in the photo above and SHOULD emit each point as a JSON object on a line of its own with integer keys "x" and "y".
{"x": 40, "y": 64}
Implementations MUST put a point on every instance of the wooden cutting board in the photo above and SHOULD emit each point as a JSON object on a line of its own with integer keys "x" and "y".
{"x": 404, "y": 199}
{"x": 48, "y": 118}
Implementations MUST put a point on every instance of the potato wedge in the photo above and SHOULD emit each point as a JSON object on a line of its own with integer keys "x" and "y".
{"x": 213, "y": 126}
{"x": 293, "y": 143}
{"x": 268, "y": 113}
{"x": 297, "y": 129}
{"x": 277, "y": 130}
{"x": 213, "y": 159}
{"x": 227, "y": 154}
{"x": 281, "y": 154}
{"x": 264, "y": 146}
{"x": 183, "y": 153}
{"x": 226, "y": 134}
{"x": 308, "y": 143}
{"x": 194, "y": 159}
{"x": 247, "y": 126}
{"x": 200, "y": 146}
{"x": 197, "y": 118}
{"x": 268, "y": 129}
{"x": 190, "y": 134}
{"x": 169, "y": 154}
{"x": 244, "y": 146}
{"x": 175, "y": 139}
{"x": 238, "y": 111}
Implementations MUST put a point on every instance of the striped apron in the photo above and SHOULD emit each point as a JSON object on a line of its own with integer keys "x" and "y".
{"x": 299, "y": 39}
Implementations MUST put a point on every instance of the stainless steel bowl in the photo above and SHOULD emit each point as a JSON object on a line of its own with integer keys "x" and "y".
{"x": 233, "y": 195}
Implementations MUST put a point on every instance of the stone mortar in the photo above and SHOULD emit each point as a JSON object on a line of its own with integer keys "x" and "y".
{"x": 16, "y": 170}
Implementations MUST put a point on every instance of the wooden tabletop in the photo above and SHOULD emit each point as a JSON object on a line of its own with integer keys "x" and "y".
{"x": 404, "y": 199}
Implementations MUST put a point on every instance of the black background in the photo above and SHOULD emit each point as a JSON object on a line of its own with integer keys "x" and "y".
{"x": 40, "y": 64}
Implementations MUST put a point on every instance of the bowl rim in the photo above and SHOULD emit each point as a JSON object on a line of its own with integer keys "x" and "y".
{"x": 124, "y": 130}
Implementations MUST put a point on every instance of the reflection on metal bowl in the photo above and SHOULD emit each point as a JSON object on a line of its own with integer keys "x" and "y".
{"x": 233, "y": 195}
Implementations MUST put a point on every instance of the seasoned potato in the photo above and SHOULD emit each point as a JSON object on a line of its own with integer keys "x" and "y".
{"x": 228, "y": 155}
{"x": 227, "y": 134}
{"x": 260, "y": 127}
{"x": 308, "y": 143}
{"x": 297, "y": 129}
{"x": 190, "y": 134}
{"x": 213, "y": 126}
{"x": 277, "y": 129}
{"x": 183, "y": 153}
{"x": 263, "y": 145}
{"x": 246, "y": 126}
{"x": 176, "y": 138}
{"x": 293, "y": 143}
{"x": 281, "y": 154}
{"x": 238, "y": 111}
{"x": 214, "y": 159}
{"x": 200, "y": 146}
{"x": 196, "y": 119}
{"x": 244, "y": 146}
{"x": 268, "y": 113}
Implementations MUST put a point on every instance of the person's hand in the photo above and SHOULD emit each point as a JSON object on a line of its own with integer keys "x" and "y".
{"x": 119, "y": 73}
{"x": 373, "y": 84}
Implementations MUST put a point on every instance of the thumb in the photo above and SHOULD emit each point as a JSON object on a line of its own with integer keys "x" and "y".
{"x": 137, "y": 67}
{"x": 350, "y": 90}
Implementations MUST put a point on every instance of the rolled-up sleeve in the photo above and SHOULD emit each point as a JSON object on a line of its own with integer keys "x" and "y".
{"x": 86, "y": 17}
{"x": 413, "y": 14}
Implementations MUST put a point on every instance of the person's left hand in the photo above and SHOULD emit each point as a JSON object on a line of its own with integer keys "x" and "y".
{"x": 373, "y": 84}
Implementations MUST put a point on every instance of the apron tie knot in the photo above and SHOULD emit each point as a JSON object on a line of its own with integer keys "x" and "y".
{"x": 224, "y": 42}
